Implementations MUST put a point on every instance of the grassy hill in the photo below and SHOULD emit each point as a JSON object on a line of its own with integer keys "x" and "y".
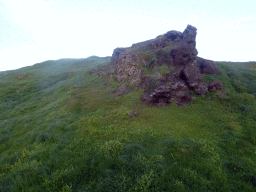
{"x": 61, "y": 129}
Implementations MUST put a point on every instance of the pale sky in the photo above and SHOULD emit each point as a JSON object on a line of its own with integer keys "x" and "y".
{"x": 33, "y": 31}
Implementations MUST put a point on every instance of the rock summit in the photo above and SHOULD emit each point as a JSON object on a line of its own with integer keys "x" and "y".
{"x": 166, "y": 67}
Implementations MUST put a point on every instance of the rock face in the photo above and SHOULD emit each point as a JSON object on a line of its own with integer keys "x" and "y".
{"x": 167, "y": 68}
{"x": 128, "y": 62}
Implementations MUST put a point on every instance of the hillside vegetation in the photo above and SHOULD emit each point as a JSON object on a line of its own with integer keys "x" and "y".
{"x": 62, "y": 129}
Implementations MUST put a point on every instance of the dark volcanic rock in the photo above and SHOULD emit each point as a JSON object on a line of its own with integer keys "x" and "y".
{"x": 215, "y": 85}
{"x": 207, "y": 66}
{"x": 189, "y": 35}
{"x": 174, "y": 52}
{"x": 115, "y": 55}
{"x": 184, "y": 54}
{"x": 162, "y": 57}
{"x": 173, "y": 35}
{"x": 185, "y": 77}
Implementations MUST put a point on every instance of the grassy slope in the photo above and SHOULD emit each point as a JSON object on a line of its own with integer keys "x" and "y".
{"x": 62, "y": 132}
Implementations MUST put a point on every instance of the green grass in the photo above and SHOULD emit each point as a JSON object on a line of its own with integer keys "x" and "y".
{"x": 68, "y": 133}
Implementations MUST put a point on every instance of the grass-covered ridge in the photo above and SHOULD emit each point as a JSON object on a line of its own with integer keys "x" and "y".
{"x": 61, "y": 129}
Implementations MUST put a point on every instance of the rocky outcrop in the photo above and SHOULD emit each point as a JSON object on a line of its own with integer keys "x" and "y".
{"x": 175, "y": 53}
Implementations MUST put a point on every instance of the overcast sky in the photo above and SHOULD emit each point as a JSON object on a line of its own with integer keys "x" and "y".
{"x": 33, "y": 31}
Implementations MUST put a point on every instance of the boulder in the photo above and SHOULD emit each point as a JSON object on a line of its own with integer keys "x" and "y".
{"x": 207, "y": 66}
{"x": 215, "y": 85}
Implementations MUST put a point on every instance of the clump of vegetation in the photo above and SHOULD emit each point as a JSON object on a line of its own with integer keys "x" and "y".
{"x": 112, "y": 147}
{"x": 167, "y": 49}
{"x": 147, "y": 54}
{"x": 163, "y": 70}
